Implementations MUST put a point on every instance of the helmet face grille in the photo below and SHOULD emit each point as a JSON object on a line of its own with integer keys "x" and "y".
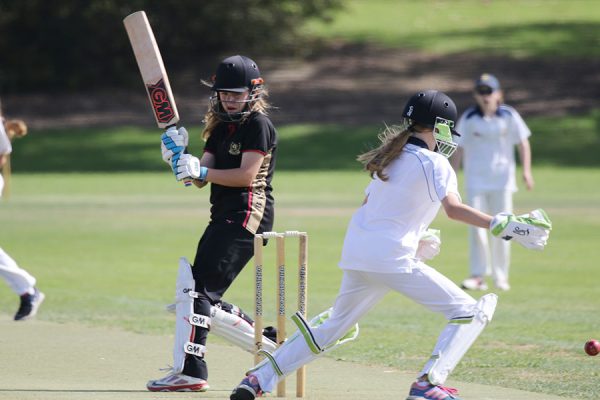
{"x": 442, "y": 132}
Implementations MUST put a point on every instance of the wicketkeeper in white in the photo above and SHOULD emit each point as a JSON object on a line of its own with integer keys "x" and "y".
{"x": 490, "y": 131}
{"x": 412, "y": 178}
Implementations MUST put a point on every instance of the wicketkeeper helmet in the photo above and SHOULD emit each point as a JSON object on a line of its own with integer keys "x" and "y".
{"x": 435, "y": 110}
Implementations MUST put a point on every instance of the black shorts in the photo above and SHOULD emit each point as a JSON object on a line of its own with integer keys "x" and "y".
{"x": 223, "y": 251}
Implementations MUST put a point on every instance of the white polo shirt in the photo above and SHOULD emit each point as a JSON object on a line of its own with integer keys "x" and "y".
{"x": 384, "y": 233}
{"x": 488, "y": 145}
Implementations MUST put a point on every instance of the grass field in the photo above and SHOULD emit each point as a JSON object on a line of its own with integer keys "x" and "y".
{"x": 518, "y": 28}
{"x": 104, "y": 246}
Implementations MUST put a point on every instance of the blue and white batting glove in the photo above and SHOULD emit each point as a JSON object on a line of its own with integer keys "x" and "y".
{"x": 531, "y": 230}
{"x": 172, "y": 143}
{"x": 188, "y": 167}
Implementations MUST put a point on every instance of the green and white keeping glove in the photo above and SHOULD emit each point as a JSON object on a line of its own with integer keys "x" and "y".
{"x": 531, "y": 230}
{"x": 429, "y": 244}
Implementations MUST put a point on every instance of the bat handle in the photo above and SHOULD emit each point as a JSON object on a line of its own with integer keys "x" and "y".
{"x": 187, "y": 182}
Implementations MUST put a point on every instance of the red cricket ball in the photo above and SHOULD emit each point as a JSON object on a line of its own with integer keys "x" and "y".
{"x": 592, "y": 347}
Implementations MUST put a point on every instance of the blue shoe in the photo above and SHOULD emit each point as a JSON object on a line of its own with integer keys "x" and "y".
{"x": 427, "y": 391}
{"x": 248, "y": 389}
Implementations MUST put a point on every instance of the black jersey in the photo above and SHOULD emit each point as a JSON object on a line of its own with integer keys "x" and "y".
{"x": 252, "y": 206}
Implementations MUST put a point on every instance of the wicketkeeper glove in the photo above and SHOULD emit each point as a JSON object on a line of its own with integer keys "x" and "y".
{"x": 530, "y": 230}
{"x": 429, "y": 245}
{"x": 188, "y": 167}
{"x": 172, "y": 143}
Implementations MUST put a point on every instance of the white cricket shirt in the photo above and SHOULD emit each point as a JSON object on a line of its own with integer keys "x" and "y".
{"x": 384, "y": 233}
{"x": 488, "y": 145}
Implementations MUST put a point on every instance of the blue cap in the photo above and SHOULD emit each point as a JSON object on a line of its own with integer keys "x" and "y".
{"x": 488, "y": 80}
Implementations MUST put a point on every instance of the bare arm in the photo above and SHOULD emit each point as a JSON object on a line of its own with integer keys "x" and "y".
{"x": 237, "y": 177}
{"x": 458, "y": 211}
{"x": 525, "y": 156}
{"x": 3, "y": 158}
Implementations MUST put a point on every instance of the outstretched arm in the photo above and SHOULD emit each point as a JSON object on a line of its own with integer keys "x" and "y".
{"x": 458, "y": 211}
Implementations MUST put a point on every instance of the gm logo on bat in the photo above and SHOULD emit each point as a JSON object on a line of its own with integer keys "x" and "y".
{"x": 160, "y": 101}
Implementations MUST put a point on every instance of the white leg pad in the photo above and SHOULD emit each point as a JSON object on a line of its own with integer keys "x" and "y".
{"x": 236, "y": 330}
{"x": 458, "y": 336}
{"x": 184, "y": 308}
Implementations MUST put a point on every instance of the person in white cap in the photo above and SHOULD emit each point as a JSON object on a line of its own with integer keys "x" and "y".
{"x": 490, "y": 130}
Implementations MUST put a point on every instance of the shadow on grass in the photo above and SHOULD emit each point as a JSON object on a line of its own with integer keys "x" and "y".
{"x": 568, "y": 141}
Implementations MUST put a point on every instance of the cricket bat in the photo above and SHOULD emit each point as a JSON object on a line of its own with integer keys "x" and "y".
{"x": 152, "y": 69}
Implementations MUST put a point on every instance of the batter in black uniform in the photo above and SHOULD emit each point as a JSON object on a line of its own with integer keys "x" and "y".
{"x": 238, "y": 161}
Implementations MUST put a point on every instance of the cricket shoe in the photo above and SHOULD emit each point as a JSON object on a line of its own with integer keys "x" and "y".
{"x": 422, "y": 390}
{"x": 248, "y": 389}
{"x": 29, "y": 305}
{"x": 474, "y": 283}
{"x": 177, "y": 382}
{"x": 502, "y": 285}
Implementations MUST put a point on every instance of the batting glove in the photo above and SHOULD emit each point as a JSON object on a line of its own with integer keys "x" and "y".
{"x": 172, "y": 143}
{"x": 188, "y": 167}
{"x": 530, "y": 230}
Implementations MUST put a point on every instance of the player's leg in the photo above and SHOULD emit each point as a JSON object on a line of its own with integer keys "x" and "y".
{"x": 23, "y": 284}
{"x": 222, "y": 252}
{"x": 186, "y": 321}
{"x": 234, "y": 325}
{"x": 466, "y": 319}
{"x": 357, "y": 295}
{"x": 479, "y": 253}
{"x": 500, "y": 249}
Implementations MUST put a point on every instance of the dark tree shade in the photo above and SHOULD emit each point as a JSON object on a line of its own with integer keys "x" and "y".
{"x": 71, "y": 44}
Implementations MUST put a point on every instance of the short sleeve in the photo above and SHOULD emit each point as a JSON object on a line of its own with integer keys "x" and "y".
{"x": 519, "y": 130}
{"x": 260, "y": 136}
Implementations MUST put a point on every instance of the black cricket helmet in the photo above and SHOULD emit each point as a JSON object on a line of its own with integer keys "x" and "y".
{"x": 435, "y": 110}
{"x": 236, "y": 74}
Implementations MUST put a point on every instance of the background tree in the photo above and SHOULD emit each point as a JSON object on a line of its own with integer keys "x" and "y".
{"x": 67, "y": 44}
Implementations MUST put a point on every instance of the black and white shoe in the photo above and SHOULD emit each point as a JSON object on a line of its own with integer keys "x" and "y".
{"x": 29, "y": 305}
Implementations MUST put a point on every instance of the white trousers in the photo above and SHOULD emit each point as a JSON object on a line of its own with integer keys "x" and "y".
{"x": 359, "y": 292}
{"x": 19, "y": 280}
{"x": 489, "y": 255}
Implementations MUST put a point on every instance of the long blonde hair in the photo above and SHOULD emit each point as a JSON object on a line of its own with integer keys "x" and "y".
{"x": 260, "y": 105}
{"x": 393, "y": 139}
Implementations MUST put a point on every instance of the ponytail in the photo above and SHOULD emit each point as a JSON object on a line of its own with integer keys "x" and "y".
{"x": 393, "y": 139}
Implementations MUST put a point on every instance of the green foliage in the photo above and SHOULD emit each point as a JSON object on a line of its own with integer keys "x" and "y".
{"x": 519, "y": 28}
{"x": 66, "y": 44}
